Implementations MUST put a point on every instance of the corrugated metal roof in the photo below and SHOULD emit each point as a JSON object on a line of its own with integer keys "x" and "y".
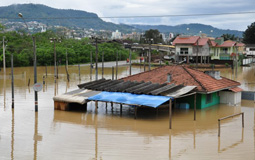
{"x": 77, "y": 96}
{"x": 130, "y": 99}
{"x": 181, "y": 91}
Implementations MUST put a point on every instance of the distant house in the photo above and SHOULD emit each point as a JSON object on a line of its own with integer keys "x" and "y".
{"x": 187, "y": 48}
{"x": 225, "y": 50}
{"x": 211, "y": 88}
{"x": 250, "y": 49}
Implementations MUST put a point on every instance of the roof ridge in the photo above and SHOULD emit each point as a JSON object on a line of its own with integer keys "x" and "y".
{"x": 142, "y": 72}
{"x": 195, "y": 78}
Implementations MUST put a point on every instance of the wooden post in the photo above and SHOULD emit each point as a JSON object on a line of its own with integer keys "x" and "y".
{"x": 96, "y": 60}
{"x": 143, "y": 63}
{"x": 243, "y": 120}
{"x": 112, "y": 73}
{"x": 135, "y": 112}
{"x": 103, "y": 64}
{"x": 12, "y": 80}
{"x": 130, "y": 63}
{"x": 116, "y": 76}
{"x": 96, "y": 106}
{"x": 43, "y": 80}
{"x": 28, "y": 84}
{"x": 218, "y": 128}
{"x": 79, "y": 71}
{"x": 106, "y": 105}
{"x": 90, "y": 66}
{"x": 195, "y": 106}
{"x": 160, "y": 53}
{"x": 46, "y": 70}
{"x": 120, "y": 109}
{"x": 112, "y": 106}
{"x": 170, "y": 113}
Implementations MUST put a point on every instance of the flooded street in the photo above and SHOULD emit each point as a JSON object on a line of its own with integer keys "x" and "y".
{"x": 53, "y": 134}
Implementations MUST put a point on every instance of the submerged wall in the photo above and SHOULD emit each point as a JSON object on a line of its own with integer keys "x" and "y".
{"x": 201, "y": 101}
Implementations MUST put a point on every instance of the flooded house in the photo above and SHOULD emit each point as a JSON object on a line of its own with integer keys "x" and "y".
{"x": 206, "y": 49}
{"x": 211, "y": 88}
{"x": 225, "y": 50}
{"x": 187, "y": 48}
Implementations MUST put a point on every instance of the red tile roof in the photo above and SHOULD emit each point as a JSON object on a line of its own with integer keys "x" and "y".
{"x": 202, "y": 41}
{"x": 227, "y": 44}
{"x": 186, "y": 76}
{"x": 240, "y": 45}
{"x": 236, "y": 89}
{"x": 185, "y": 40}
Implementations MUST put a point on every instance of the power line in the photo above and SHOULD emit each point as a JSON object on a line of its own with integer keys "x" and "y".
{"x": 139, "y": 16}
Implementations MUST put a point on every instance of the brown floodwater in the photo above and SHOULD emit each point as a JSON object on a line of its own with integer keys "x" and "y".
{"x": 54, "y": 134}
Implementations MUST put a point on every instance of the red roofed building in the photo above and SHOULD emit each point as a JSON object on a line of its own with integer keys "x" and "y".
{"x": 224, "y": 50}
{"x": 189, "y": 47}
{"x": 211, "y": 88}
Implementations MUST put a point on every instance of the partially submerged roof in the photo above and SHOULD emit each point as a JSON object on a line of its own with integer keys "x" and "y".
{"x": 77, "y": 96}
{"x": 130, "y": 99}
{"x": 134, "y": 87}
{"x": 181, "y": 75}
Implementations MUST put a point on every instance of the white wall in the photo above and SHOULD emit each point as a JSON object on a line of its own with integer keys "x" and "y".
{"x": 228, "y": 97}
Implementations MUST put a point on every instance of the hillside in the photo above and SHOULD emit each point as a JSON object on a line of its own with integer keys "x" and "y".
{"x": 194, "y": 29}
{"x": 83, "y": 19}
{"x": 48, "y": 15}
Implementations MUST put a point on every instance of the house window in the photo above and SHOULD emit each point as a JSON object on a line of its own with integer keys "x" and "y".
{"x": 252, "y": 49}
{"x": 208, "y": 98}
{"x": 225, "y": 50}
{"x": 184, "y": 50}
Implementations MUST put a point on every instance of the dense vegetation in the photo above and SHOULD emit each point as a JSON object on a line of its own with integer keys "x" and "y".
{"x": 249, "y": 34}
{"x": 20, "y": 44}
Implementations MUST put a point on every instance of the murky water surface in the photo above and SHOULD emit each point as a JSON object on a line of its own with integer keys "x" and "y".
{"x": 51, "y": 134}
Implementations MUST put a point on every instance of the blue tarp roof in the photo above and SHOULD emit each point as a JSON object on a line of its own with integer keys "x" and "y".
{"x": 131, "y": 99}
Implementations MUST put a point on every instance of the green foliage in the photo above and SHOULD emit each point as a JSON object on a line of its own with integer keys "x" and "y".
{"x": 229, "y": 37}
{"x": 249, "y": 34}
{"x": 20, "y": 44}
{"x": 226, "y": 64}
{"x": 153, "y": 34}
{"x": 167, "y": 63}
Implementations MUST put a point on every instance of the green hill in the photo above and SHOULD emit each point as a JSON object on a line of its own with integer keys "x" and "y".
{"x": 194, "y": 29}
{"x": 52, "y": 16}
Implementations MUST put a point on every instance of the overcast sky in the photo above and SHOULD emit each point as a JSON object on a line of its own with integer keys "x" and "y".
{"x": 113, "y": 8}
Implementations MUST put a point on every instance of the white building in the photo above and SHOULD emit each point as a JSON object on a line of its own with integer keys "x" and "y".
{"x": 116, "y": 35}
{"x": 250, "y": 49}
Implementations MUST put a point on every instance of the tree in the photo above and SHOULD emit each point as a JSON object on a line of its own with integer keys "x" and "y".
{"x": 229, "y": 37}
{"x": 153, "y": 34}
{"x": 249, "y": 34}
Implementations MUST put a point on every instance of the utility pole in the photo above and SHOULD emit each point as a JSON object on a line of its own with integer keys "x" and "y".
{"x": 35, "y": 74}
{"x": 55, "y": 57}
{"x": 96, "y": 60}
{"x": 35, "y": 65}
{"x": 12, "y": 80}
{"x": 4, "y": 45}
{"x": 150, "y": 41}
{"x": 197, "y": 53}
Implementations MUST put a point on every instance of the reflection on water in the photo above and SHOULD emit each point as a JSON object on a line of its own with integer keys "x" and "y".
{"x": 109, "y": 134}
